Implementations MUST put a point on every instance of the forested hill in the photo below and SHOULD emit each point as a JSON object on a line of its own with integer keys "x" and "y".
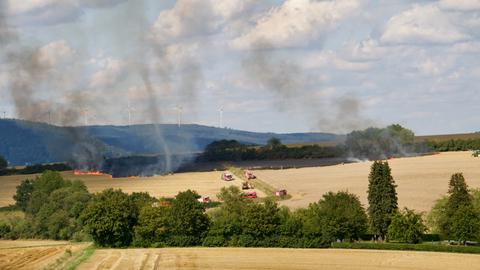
{"x": 24, "y": 142}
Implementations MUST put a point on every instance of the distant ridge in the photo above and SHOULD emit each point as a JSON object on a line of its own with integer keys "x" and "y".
{"x": 25, "y": 142}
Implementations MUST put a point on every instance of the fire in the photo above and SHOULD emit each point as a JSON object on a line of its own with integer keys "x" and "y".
{"x": 79, "y": 172}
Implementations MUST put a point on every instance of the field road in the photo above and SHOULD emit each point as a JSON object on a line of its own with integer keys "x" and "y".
{"x": 261, "y": 258}
{"x": 420, "y": 180}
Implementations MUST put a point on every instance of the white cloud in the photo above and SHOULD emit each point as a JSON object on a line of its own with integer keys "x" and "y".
{"x": 111, "y": 72}
{"x": 296, "y": 23}
{"x": 434, "y": 67}
{"x": 466, "y": 47}
{"x": 55, "y": 53}
{"x": 366, "y": 50}
{"x": 422, "y": 24}
{"x": 52, "y": 12}
{"x": 331, "y": 59}
{"x": 186, "y": 19}
{"x": 463, "y": 5}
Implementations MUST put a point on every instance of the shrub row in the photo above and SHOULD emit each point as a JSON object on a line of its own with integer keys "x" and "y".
{"x": 413, "y": 247}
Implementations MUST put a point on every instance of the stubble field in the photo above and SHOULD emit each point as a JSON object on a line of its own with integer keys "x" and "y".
{"x": 261, "y": 258}
{"x": 205, "y": 183}
{"x": 33, "y": 254}
{"x": 420, "y": 180}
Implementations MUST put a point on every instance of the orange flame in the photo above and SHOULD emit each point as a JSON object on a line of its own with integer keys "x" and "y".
{"x": 79, "y": 172}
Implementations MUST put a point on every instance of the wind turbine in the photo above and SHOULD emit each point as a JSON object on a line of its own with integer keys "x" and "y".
{"x": 85, "y": 116}
{"x": 179, "y": 110}
{"x": 129, "y": 111}
{"x": 221, "y": 116}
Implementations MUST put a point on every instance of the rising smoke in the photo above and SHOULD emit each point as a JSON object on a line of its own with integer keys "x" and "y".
{"x": 27, "y": 74}
{"x": 287, "y": 81}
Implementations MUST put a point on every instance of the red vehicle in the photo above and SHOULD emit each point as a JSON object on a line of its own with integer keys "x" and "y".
{"x": 281, "y": 193}
{"x": 204, "y": 199}
{"x": 250, "y": 195}
{"x": 249, "y": 175}
{"x": 227, "y": 176}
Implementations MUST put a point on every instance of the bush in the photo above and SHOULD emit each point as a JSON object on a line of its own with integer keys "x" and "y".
{"x": 413, "y": 247}
{"x": 5, "y": 229}
{"x": 214, "y": 241}
{"x": 407, "y": 226}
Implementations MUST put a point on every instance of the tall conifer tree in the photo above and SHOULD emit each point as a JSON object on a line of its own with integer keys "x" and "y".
{"x": 382, "y": 198}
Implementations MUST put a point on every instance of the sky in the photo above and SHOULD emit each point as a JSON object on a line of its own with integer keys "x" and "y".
{"x": 279, "y": 66}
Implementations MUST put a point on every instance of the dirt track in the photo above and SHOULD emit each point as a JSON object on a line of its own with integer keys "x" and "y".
{"x": 260, "y": 258}
{"x": 420, "y": 180}
{"x": 33, "y": 254}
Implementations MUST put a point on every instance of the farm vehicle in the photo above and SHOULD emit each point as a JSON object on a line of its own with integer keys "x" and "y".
{"x": 249, "y": 175}
{"x": 247, "y": 185}
{"x": 250, "y": 195}
{"x": 227, "y": 176}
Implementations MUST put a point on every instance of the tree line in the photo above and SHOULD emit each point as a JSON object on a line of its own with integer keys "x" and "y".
{"x": 454, "y": 145}
{"x": 55, "y": 208}
{"x": 371, "y": 143}
{"x": 31, "y": 169}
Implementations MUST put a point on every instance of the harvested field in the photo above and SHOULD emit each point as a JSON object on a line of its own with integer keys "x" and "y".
{"x": 261, "y": 258}
{"x": 205, "y": 183}
{"x": 32, "y": 254}
{"x": 420, "y": 180}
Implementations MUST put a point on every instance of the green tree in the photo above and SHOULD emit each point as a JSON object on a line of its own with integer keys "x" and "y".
{"x": 260, "y": 221}
{"x": 188, "y": 221}
{"x": 110, "y": 217}
{"x": 3, "y": 163}
{"x": 465, "y": 224}
{"x": 382, "y": 198}
{"x": 407, "y": 226}
{"x": 437, "y": 214}
{"x": 340, "y": 216}
{"x": 226, "y": 223}
{"x": 274, "y": 143}
{"x": 458, "y": 196}
{"x": 48, "y": 182}
{"x": 153, "y": 227}
{"x": 23, "y": 194}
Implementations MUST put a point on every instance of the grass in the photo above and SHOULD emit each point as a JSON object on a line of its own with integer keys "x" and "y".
{"x": 84, "y": 255}
{"x": 261, "y": 185}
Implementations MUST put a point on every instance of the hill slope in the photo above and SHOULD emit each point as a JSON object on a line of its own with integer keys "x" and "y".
{"x": 23, "y": 142}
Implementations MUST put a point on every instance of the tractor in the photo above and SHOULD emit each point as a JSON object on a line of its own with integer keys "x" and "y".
{"x": 227, "y": 176}
{"x": 249, "y": 175}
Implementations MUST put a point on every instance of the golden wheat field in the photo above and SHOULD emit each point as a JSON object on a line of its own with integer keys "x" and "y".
{"x": 261, "y": 258}
{"x": 205, "y": 183}
{"x": 420, "y": 180}
{"x": 33, "y": 254}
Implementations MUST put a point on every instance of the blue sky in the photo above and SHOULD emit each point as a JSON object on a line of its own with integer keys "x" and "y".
{"x": 282, "y": 66}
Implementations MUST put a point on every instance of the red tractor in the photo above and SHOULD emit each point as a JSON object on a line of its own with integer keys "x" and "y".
{"x": 250, "y": 195}
{"x": 227, "y": 176}
{"x": 204, "y": 199}
{"x": 249, "y": 175}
